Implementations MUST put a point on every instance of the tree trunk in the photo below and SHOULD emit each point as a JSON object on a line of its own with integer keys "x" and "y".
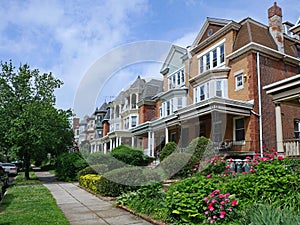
{"x": 27, "y": 165}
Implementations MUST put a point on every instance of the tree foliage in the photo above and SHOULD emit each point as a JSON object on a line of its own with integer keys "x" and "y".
{"x": 30, "y": 125}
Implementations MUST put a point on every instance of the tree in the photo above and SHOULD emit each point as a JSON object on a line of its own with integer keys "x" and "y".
{"x": 30, "y": 125}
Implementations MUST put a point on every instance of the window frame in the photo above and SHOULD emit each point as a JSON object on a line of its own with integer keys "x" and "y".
{"x": 239, "y": 142}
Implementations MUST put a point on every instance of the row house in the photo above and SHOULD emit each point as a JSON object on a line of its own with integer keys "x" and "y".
{"x": 225, "y": 87}
{"x": 237, "y": 84}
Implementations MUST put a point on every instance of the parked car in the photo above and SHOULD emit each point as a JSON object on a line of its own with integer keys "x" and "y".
{"x": 3, "y": 182}
{"x": 19, "y": 165}
{"x": 9, "y": 168}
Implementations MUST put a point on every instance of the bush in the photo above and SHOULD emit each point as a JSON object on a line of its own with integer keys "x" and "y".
{"x": 147, "y": 200}
{"x": 185, "y": 199}
{"x": 104, "y": 159}
{"x": 118, "y": 181}
{"x": 167, "y": 150}
{"x": 272, "y": 182}
{"x": 93, "y": 169}
{"x": 129, "y": 156}
{"x": 174, "y": 163}
{"x": 68, "y": 165}
{"x": 89, "y": 181}
{"x": 269, "y": 215}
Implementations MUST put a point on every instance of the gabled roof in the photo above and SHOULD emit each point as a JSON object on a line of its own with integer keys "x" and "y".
{"x": 173, "y": 58}
{"x": 138, "y": 83}
{"x": 215, "y": 22}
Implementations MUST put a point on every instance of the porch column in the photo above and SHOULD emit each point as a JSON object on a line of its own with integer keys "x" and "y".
{"x": 149, "y": 143}
{"x": 167, "y": 135}
{"x": 132, "y": 141}
{"x": 152, "y": 144}
{"x": 105, "y": 148}
{"x": 279, "y": 136}
{"x": 110, "y": 144}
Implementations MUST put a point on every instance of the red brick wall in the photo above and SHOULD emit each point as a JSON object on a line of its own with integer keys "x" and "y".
{"x": 105, "y": 128}
{"x": 147, "y": 113}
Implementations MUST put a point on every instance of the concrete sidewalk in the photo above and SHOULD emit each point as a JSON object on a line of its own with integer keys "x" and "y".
{"x": 83, "y": 208}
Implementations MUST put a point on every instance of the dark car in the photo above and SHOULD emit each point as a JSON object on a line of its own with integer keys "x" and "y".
{"x": 3, "y": 182}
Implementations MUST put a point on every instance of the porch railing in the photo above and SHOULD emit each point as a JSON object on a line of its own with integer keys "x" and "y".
{"x": 292, "y": 147}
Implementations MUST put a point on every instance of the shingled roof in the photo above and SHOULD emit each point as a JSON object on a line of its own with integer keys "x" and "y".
{"x": 152, "y": 88}
{"x": 252, "y": 31}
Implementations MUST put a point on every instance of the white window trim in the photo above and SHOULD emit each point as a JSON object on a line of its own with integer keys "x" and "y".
{"x": 236, "y": 75}
{"x": 234, "y": 128}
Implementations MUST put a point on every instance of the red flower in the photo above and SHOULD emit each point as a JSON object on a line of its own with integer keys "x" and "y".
{"x": 280, "y": 157}
{"x": 234, "y": 202}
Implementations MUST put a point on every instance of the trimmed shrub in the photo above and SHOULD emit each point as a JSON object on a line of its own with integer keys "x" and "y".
{"x": 89, "y": 181}
{"x": 118, "y": 181}
{"x": 68, "y": 165}
{"x": 174, "y": 163}
{"x": 105, "y": 159}
{"x": 167, "y": 150}
{"x": 93, "y": 169}
{"x": 129, "y": 156}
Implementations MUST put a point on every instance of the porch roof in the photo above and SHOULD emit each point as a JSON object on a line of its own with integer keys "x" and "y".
{"x": 286, "y": 91}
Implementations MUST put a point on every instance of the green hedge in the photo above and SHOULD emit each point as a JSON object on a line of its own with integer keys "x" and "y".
{"x": 118, "y": 181}
{"x": 105, "y": 159}
{"x": 68, "y": 165}
{"x": 93, "y": 169}
{"x": 167, "y": 150}
{"x": 129, "y": 156}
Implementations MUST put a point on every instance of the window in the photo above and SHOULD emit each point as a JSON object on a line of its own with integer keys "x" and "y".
{"x": 215, "y": 63}
{"x": 297, "y": 128}
{"x": 176, "y": 79}
{"x": 239, "y": 82}
{"x": 219, "y": 89}
{"x": 160, "y": 112}
{"x": 213, "y": 58}
{"x": 173, "y": 137}
{"x": 179, "y": 103}
{"x": 133, "y": 121}
{"x": 201, "y": 62}
{"x": 202, "y": 93}
{"x": 196, "y": 94}
{"x": 168, "y": 108}
{"x": 207, "y": 62}
{"x": 222, "y": 54}
{"x": 239, "y": 129}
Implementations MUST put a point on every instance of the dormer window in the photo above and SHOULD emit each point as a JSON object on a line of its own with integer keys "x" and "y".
{"x": 212, "y": 58}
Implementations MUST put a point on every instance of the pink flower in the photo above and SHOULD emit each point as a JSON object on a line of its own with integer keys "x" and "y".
{"x": 229, "y": 209}
{"x": 209, "y": 218}
{"x": 212, "y": 195}
{"x": 222, "y": 216}
{"x": 234, "y": 202}
{"x": 221, "y": 196}
{"x": 210, "y": 207}
{"x": 206, "y": 199}
{"x": 215, "y": 217}
{"x": 222, "y": 213}
{"x": 280, "y": 157}
{"x": 263, "y": 159}
{"x": 221, "y": 207}
{"x": 206, "y": 212}
{"x": 208, "y": 176}
{"x": 212, "y": 221}
{"x": 256, "y": 155}
{"x": 213, "y": 201}
{"x": 252, "y": 170}
{"x": 227, "y": 200}
{"x": 263, "y": 146}
{"x": 216, "y": 191}
{"x": 227, "y": 194}
{"x": 222, "y": 203}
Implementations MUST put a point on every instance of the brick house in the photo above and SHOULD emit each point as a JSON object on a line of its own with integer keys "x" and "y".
{"x": 214, "y": 88}
{"x": 238, "y": 83}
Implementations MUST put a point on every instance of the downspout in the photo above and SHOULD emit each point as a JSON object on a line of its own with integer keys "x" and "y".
{"x": 259, "y": 104}
{"x": 189, "y": 61}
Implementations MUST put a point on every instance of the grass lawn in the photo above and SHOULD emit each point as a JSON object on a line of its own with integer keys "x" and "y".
{"x": 30, "y": 204}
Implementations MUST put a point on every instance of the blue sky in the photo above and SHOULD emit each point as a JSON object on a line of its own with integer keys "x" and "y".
{"x": 68, "y": 37}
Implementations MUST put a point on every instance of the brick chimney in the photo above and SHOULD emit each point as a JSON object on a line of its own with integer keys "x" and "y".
{"x": 275, "y": 25}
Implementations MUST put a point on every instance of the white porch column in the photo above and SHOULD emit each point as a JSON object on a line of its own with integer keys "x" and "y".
{"x": 152, "y": 144}
{"x": 279, "y": 136}
{"x": 167, "y": 135}
{"x": 110, "y": 144}
{"x": 120, "y": 141}
{"x": 105, "y": 148}
{"x": 149, "y": 143}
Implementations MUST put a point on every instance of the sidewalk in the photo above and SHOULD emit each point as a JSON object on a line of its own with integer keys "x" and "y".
{"x": 83, "y": 208}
